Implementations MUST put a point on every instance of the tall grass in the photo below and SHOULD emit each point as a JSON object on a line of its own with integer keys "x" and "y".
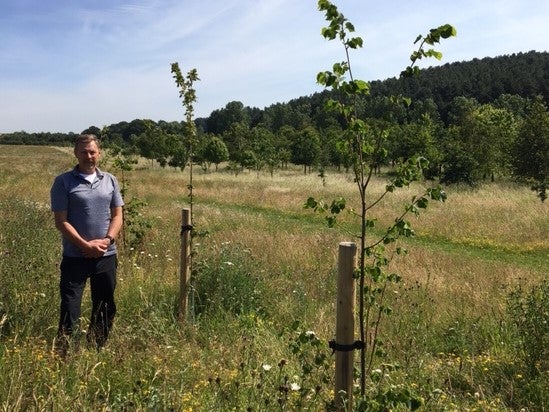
{"x": 264, "y": 280}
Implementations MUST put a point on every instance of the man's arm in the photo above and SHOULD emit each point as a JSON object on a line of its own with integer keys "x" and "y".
{"x": 92, "y": 248}
{"x": 116, "y": 222}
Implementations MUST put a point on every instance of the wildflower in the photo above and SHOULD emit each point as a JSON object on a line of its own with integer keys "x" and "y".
{"x": 228, "y": 263}
{"x": 294, "y": 386}
{"x": 266, "y": 367}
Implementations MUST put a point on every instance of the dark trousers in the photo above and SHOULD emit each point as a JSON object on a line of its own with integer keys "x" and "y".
{"x": 74, "y": 275}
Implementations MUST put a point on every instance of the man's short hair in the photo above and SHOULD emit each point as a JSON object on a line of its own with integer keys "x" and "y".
{"x": 86, "y": 138}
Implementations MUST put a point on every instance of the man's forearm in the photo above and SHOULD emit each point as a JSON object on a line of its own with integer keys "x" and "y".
{"x": 116, "y": 223}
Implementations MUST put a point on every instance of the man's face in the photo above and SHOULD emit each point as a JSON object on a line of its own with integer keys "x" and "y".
{"x": 88, "y": 156}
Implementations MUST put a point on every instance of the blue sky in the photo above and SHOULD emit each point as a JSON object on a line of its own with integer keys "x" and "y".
{"x": 68, "y": 64}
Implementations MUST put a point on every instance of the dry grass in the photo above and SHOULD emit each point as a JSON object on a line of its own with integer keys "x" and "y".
{"x": 468, "y": 254}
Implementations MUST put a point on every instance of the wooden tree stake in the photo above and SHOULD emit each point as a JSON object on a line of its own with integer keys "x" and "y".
{"x": 184, "y": 270}
{"x": 345, "y": 325}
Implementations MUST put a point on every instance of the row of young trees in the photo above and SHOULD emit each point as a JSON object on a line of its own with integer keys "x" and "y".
{"x": 506, "y": 138}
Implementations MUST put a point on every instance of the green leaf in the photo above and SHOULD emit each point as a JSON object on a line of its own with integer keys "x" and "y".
{"x": 337, "y": 205}
{"x": 354, "y": 43}
{"x": 328, "y": 33}
{"x": 375, "y": 273}
{"x": 311, "y": 203}
{"x": 422, "y": 203}
{"x": 321, "y": 78}
{"x": 433, "y": 53}
{"x": 447, "y": 31}
{"x": 362, "y": 86}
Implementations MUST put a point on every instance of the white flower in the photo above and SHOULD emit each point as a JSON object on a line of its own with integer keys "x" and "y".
{"x": 266, "y": 367}
{"x": 229, "y": 263}
{"x": 294, "y": 386}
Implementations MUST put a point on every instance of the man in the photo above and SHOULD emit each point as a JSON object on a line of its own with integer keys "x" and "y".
{"x": 87, "y": 207}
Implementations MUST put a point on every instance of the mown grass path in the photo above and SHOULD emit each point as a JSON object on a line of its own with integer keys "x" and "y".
{"x": 537, "y": 259}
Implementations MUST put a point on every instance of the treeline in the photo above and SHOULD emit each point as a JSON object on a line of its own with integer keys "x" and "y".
{"x": 522, "y": 74}
{"x": 475, "y": 120}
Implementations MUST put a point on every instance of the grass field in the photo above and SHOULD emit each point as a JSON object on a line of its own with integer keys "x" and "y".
{"x": 265, "y": 272}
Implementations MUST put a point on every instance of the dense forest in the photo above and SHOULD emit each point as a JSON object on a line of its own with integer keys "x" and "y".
{"x": 476, "y": 120}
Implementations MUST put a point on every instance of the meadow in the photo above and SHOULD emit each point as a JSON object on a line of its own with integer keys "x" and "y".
{"x": 469, "y": 329}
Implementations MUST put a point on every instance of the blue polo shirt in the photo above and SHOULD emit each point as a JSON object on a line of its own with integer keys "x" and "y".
{"x": 88, "y": 205}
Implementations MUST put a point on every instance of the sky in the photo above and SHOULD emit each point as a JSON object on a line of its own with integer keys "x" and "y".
{"x": 66, "y": 65}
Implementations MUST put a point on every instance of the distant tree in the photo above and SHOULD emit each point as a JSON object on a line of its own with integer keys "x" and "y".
{"x": 306, "y": 148}
{"x": 530, "y": 160}
{"x": 410, "y": 139}
{"x": 478, "y": 141}
{"x": 460, "y": 108}
{"x": 236, "y": 138}
{"x": 213, "y": 150}
{"x": 513, "y": 103}
{"x": 222, "y": 119}
{"x": 179, "y": 156}
{"x": 493, "y": 131}
{"x": 153, "y": 144}
{"x": 137, "y": 127}
{"x": 247, "y": 159}
{"x": 118, "y": 131}
{"x": 283, "y": 140}
{"x": 92, "y": 130}
{"x": 336, "y": 154}
{"x": 458, "y": 164}
{"x": 277, "y": 116}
